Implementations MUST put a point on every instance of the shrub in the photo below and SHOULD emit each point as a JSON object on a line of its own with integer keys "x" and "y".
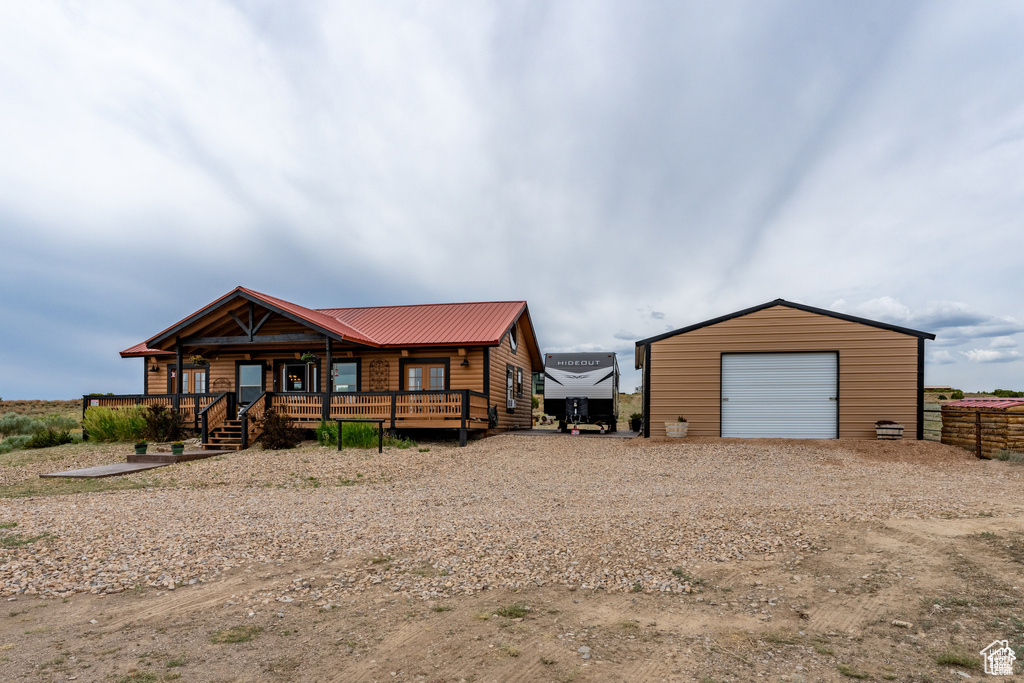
{"x": 115, "y": 424}
{"x": 49, "y": 438}
{"x": 535, "y": 402}
{"x": 162, "y": 424}
{"x": 278, "y": 432}
{"x": 1008, "y": 393}
{"x": 1009, "y": 456}
{"x": 13, "y": 423}
{"x": 14, "y": 443}
{"x": 942, "y": 397}
{"x": 636, "y": 416}
{"x": 957, "y": 395}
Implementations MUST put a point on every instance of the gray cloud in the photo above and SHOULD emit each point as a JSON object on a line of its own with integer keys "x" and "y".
{"x": 992, "y": 355}
{"x": 623, "y": 168}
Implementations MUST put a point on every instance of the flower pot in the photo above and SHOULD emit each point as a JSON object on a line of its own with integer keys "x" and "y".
{"x": 676, "y": 429}
{"x": 891, "y": 432}
{"x": 140, "y": 450}
{"x": 635, "y": 423}
{"x": 177, "y": 450}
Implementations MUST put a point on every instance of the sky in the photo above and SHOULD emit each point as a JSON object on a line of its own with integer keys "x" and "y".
{"x": 626, "y": 168}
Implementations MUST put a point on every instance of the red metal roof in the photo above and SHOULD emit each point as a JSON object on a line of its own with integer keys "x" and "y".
{"x": 986, "y": 403}
{"x": 316, "y": 317}
{"x": 141, "y": 349}
{"x": 380, "y": 326}
{"x": 432, "y": 324}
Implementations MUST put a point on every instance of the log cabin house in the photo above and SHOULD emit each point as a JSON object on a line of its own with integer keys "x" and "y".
{"x": 464, "y": 366}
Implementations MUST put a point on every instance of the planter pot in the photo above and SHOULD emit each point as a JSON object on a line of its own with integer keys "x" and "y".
{"x": 140, "y": 450}
{"x": 177, "y": 450}
{"x": 891, "y": 432}
{"x": 635, "y": 423}
{"x": 676, "y": 429}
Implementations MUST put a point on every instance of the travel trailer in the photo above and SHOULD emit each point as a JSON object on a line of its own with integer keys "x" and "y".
{"x": 582, "y": 388}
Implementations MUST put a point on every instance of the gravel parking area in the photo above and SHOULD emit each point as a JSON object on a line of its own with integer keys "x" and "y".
{"x": 508, "y": 511}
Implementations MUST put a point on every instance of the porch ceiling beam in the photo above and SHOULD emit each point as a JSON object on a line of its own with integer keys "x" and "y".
{"x": 256, "y": 339}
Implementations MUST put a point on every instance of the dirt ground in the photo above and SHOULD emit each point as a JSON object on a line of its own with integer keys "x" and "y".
{"x": 908, "y": 597}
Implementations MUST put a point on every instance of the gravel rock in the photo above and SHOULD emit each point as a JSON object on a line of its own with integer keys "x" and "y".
{"x": 508, "y": 511}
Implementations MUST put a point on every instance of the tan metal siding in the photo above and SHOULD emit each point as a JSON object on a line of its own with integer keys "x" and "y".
{"x": 877, "y": 368}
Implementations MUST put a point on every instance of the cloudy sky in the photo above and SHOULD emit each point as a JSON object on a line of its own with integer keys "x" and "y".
{"x": 627, "y": 167}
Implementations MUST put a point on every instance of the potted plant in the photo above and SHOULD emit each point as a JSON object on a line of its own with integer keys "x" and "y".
{"x": 887, "y": 429}
{"x": 635, "y": 421}
{"x": 140, "y": 448}
{"x": 197, "y": 361}
{"x": 178, "y": 447}
{"x": 309, "y": 358}
{"x": 677, "y": 428}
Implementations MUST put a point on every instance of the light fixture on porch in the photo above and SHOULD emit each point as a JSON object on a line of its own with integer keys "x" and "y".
{"x": 465, "y": 362}
{"x": 154, "y": 368}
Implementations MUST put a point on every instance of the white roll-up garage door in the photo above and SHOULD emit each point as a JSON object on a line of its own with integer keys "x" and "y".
{"x": 786, "y": 395}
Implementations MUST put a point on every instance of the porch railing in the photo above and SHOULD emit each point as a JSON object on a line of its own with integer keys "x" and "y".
{"x": 217, "y": 413}
{"x": 188, "y": 405}
{"x": 251, "y": 415}
{"x": 460, "y": 409}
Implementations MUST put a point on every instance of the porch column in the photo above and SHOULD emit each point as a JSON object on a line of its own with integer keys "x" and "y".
{"x": 328, "y": 380}
{"x": 177, "y": 372}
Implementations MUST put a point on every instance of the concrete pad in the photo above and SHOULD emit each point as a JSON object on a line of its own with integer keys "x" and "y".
{"x": 105, "y": 470}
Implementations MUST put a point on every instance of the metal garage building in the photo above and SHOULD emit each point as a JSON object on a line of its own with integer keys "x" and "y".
{"x": 784, "y": 370}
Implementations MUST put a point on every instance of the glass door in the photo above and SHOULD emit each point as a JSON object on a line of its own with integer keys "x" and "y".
{"x": 250, "y": 383}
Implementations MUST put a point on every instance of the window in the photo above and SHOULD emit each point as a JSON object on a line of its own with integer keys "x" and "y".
{"x": 345, "y": 377}
{"x": 519, "y": 382}
{"x": 250, "y": 383}
{"x": 200, "y": 381}
{"x": 184, "y": 381}
{"x": 424, "y": 374}
{"x": 294, "y": 377}
{"x": 510, "y": 389}
{"x": 513, "y": 338}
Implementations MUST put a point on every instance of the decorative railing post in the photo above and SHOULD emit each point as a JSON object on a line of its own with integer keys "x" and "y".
{"x": 394, "y": 408}
{"x": 244, "y": 417}
{"x": 465, "y": 417}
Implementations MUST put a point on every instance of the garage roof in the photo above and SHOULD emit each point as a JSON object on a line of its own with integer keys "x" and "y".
{"x": 790, "y": 304}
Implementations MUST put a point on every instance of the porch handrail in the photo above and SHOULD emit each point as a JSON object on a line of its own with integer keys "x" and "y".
{"x": 217, "y": 413}
{"x": 258, "y": 408}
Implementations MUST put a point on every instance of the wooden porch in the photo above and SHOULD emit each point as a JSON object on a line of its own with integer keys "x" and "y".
{"x": 223, "y": 424}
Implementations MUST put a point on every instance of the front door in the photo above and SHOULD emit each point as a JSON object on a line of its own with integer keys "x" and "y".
{"x": 298, "y": 377}
{"x": 250, "y": 383}
{"x": 193, "y": 380}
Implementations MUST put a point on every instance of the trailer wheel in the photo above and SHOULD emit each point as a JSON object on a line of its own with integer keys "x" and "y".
{"x": 614, "y": 427}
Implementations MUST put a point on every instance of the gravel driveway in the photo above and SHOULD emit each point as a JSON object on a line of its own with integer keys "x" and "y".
{"x": 507, "y": 511}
